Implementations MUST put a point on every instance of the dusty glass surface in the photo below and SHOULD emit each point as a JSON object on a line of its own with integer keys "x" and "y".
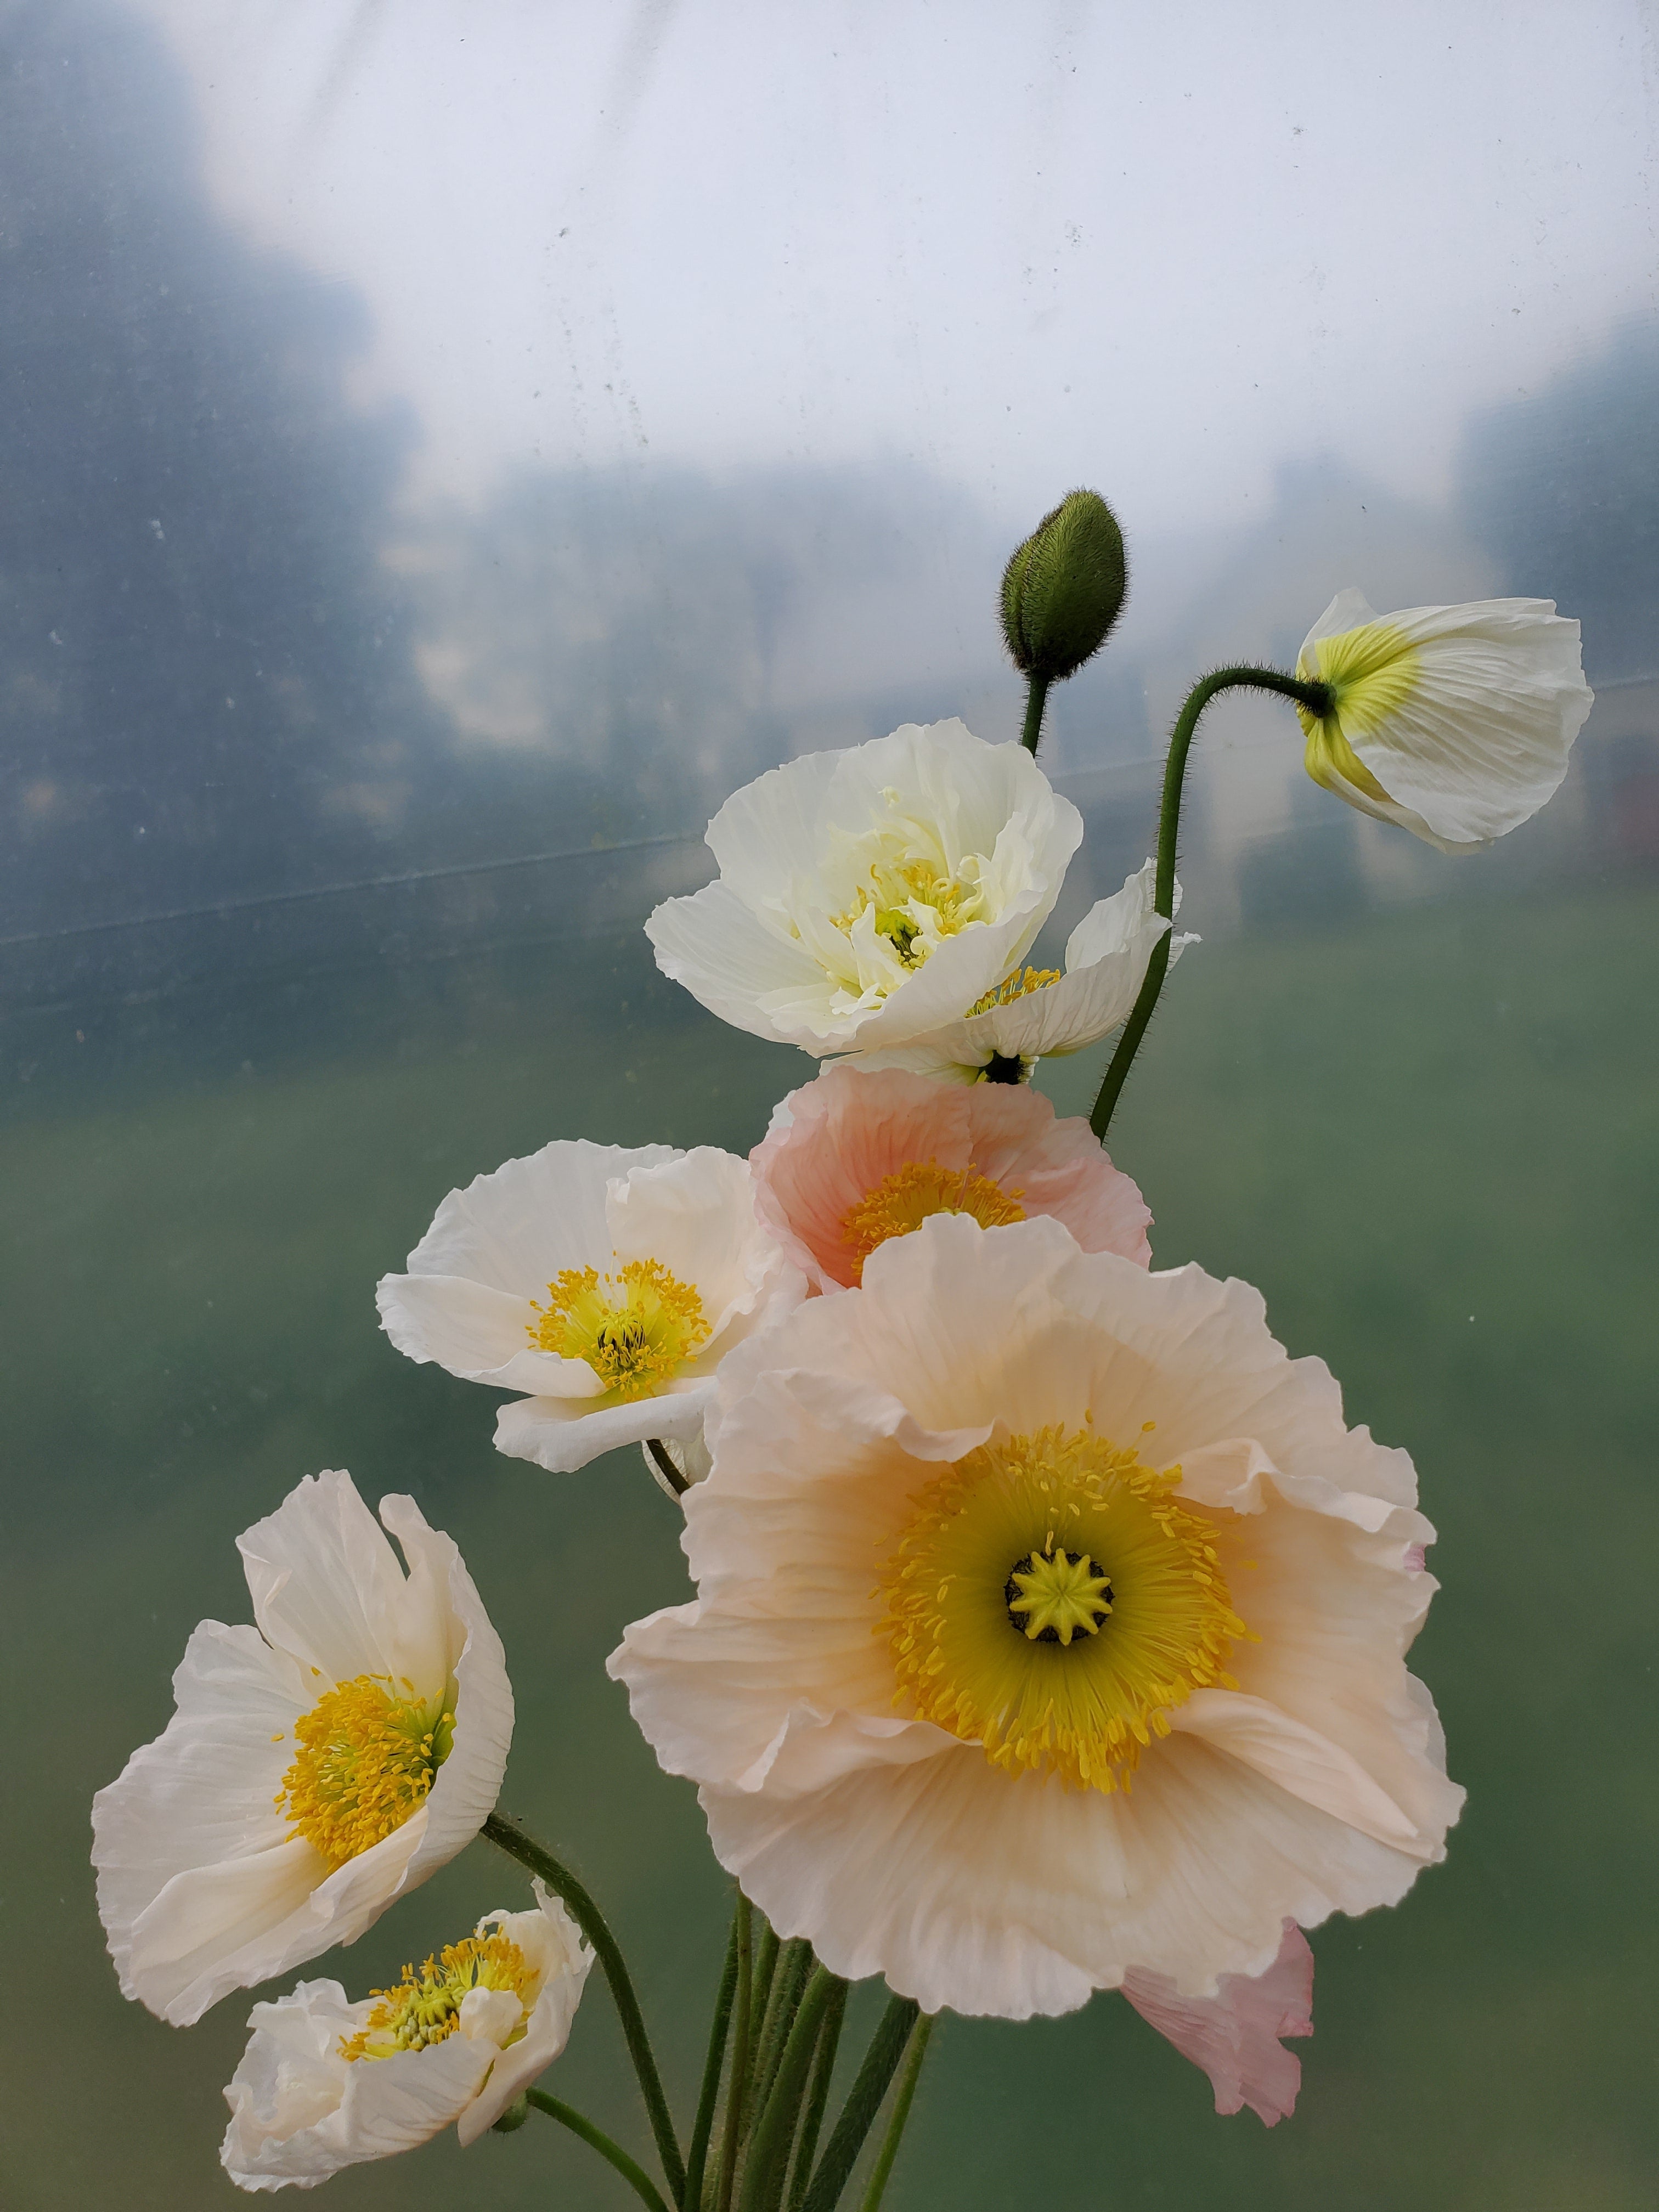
{"x": 446, "y": 449}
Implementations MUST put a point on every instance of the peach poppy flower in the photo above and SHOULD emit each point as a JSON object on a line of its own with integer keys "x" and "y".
{"x": 857, "y": 1157}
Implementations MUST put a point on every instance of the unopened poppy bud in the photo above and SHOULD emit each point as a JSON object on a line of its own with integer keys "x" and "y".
{"x": 1064, "y": 588}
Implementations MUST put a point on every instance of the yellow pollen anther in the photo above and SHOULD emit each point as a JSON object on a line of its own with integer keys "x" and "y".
{"x": 1114, "y": 1611}
{"x": 914, "y": 892}
{"x": 366, "y": 1761}
{"x": 903, "y": 1200}
{"x": 1017, "y": 987}
{"x": 636, "y": 1329}
{"x": 428, "y": 2010}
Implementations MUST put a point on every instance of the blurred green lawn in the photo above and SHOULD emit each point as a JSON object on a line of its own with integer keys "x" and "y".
{"x": 1430, "y": 1136}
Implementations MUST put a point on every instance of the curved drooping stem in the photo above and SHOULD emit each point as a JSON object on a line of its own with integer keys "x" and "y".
{"x": 1317, "y": 697}
{"x": 509, "y": 1837}
{"x": 638, "y": 2181}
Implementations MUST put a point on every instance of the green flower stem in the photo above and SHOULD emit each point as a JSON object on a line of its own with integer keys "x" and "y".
{"x": 817, "y": 2093}
{"x": 666, "y": 1466}
{"x": 767, "y": 2159}
{"x": 637, "y": 2180}
{"x": 905, "y": 2098}
{"x": 788, "y": 1982}
{"x": 1036, "y": 697}
{"x": 703, "y": 2128}
{"x": 509, "y": 1837}
{"x": 864, "y": 2099}
{"x": 737, "y": 2080}
{"x": 766, "y": 1963}
{"x": 1317, "y": 698}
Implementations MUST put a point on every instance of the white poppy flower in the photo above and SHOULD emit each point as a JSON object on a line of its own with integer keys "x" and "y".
{"x": 608, "y": 1283}
{"x": 1454, "y": 722}
{"x": 325, "y": 2083}
{"x": 1050, "y": 1628}
{"x": 865, "y": 898}
{"x": 1043, "y": 1011}
{"x": 316, "y": 1767}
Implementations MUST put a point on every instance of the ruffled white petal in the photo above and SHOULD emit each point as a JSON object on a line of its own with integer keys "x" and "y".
{"x": 1107, "y": 956}
{"x": 1318, "y": 1786}
{"x": 468, "y": 1299}
{"x": 201, "y": 1888}
{"x": 476, "y": 1278}
{"x": 759, "y": 948}
{"x": 300, "y": 2112}
{"x": 1481, "y": 741}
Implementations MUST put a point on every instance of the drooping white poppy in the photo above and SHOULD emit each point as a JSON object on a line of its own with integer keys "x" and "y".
{"x": 1038, "y": 1012}
{"x": 325, "y": 2083}
{"x": 316, "y": 1767}
{"x": 1454, "y": 722}
{"x": 867, "y": 897}
{"x": 1050, "y": 1628}
{"x": 609, "y": 1283}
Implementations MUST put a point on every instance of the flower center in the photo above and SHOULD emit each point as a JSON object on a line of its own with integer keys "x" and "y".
{"x": 1017, "y": 987}
{"x": 366, "y": 1760}
{"x": 1051, "y": 1600}
{"x": 427, "y": 2010}
{"x": 913, "y": 893}
{"x": 1372, "y": 671}
{"x": 1060, "y": 1595}
{"x": 636, "y": 1329}
{"x": 902, "y": 1201}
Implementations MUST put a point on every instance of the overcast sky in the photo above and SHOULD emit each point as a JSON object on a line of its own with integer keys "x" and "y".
{"x": 1156, "y": 249}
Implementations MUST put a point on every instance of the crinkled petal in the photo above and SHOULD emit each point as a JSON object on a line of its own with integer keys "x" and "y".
{"x": 202, "y": 1888}
{"x": 1235, "y": 2035}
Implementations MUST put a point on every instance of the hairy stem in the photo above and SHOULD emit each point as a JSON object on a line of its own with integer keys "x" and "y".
{"x": 794, "y": 1964}
{"x": 863, "y": 2102}
{"x": 737, "y": 2078}
{"x": 768, "y": 2158}
{"x": 1036, "y": 697}
{"x": 817, "y": 2093}
{"x": 1317, "y": 698}
{"x": 509, "y": 1837}
{"x": 638, "y": 2181}
{"x": 902, "y": 2105}
{"x": 704, "y": 2125}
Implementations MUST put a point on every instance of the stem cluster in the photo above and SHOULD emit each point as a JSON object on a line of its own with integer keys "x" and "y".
{"x": 772, "y": 2046}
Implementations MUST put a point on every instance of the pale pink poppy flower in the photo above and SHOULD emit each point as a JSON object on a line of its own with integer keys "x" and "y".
{"x": 857, "y": 1157}
{"x": 1235, "y": 2035}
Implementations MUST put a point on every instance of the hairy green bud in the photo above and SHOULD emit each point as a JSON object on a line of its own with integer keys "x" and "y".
{"x": 1064, "y": 588}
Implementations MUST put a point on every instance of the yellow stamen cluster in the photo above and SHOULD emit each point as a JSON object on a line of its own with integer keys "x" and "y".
{"x": 918, "y": 893}
{"x": 1017, "y": 987}
{"x": 636, "y": 1329}
{"x": 1051, "y": 1600}
{"x": 428, "y": 2010}
{"x": 366, "y": 1760}
{"x": 901, "y": 1201}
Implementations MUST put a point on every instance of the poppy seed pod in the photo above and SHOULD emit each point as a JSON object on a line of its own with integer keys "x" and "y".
{"x": 1064, "y": 588}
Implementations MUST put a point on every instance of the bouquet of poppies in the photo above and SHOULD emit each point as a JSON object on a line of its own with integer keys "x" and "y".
{"x": 1050, "y": 1624}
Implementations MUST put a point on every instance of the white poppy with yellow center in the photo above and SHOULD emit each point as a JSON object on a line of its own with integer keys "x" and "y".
{"x": 1454, "y": 722}
{"x": 1038, "y": 1012}
{"x": 1050, "y": 1631}
{"x": 316, "y": 1765}
{"x": 325, "y": 2083}
{"x": 866, "y": 897}
{"x": 608, "y": 1282}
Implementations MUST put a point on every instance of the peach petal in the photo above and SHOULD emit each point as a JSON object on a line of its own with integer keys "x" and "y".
{"x": 836, "y": 1138}
{"x": 1235, "y": 2035}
